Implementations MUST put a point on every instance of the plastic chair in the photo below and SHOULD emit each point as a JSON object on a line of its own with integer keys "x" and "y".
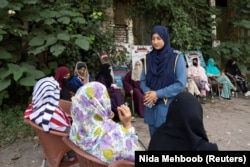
{"x": 122, "y": 163}
{"x": 84, "y": 158}
{"x": 65, "y": 105}
{"x": 53, "y": 147}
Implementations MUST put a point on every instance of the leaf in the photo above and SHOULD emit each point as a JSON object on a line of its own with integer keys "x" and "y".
{"x": 69, "y": 13}
{"x": 4, "y": 83}
{"x": 15, "y": 6}
{"x": 49, "y": 21}
{"x": 51, "y": 41}
{"x": 18, "y": 74}
{"x": 48, "y": 14}
{"x": 82, "y": 43}
{"x": 36, "y": 74}
{"x": 64, "y": 20}
{"x": 63, "y": 36}
{"x": 37, "y": 50}
{"x": 244, "y": 24}
{"x": 3, "y": 32}
{"x": 4, "y": 72}
{"x": 28, "y": 81}
{"x": 36, "y": 41}
{"x": 4, "y": 54}
{"x": 57, "y": 49}
{"x": 3, "y": 3}
{"x": 30, "y": 70}
{"x": 79, "y": 20}
{"x": 13, "y": 67}
{"x": 30, "y": 2}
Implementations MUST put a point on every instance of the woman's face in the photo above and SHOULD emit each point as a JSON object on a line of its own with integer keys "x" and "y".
{"x": 67, "y": 76}
{"x": 157, "y": 41}
{"x": 82, "y": 71}
{"x": 138, "y": 64}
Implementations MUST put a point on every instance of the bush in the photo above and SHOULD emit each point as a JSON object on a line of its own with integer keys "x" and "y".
{"x": 13, "y": 126}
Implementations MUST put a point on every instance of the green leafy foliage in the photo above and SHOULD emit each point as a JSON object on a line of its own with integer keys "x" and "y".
{"x": 236, "y": 43}
{"x": 3, "y": 3}
{"x": 38, "y": 36}
{"x": 189, "y": 22}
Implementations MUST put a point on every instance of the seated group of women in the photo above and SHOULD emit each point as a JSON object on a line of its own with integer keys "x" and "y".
{"x": 69, "y": 85}
{"x": 212, "y": 72}
{"x": 91, "y": 125}
{"x": 233, "y": 72}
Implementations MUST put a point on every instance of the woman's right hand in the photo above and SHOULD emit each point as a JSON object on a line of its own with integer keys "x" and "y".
{"x": 125, "y": 116}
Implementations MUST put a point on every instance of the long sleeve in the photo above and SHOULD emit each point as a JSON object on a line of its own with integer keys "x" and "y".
{"x": 122, "y": 142}
{"x": 101, "y": 79}
{"x": 143, "y": 84}
{"x": 109, "y": 141}
{"x": 126, "y": 81}
{"x": 196, "y": 90}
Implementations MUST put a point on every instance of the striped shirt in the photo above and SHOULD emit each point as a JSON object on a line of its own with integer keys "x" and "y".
{"x": 44, "y": 109}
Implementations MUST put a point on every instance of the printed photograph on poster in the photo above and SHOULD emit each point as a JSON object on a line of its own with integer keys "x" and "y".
{"x": 189, "y": 55}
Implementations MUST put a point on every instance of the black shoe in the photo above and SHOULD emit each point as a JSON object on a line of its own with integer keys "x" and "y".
{"x": 203, "y": 100}
{"x": 226, "y": 98}
{"x": 212, "y": 93}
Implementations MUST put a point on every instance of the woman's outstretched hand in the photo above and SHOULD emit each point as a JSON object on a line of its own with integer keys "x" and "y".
{"x": 125, "y": 116}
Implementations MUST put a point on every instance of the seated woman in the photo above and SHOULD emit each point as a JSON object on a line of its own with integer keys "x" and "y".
{"x": 191, "y": 86}
{"x": 67, "y": 90}
{"x": 234, "y": 71}
{"x": 44, "y": 109}
{"x": 198, "y": 74}
{"x": 184, "y": 129}
{"x": 94, "y": 131}
{"x": 131, "y": 85}
{"x": 213, "y": 71}
{"x": 104, "y": 76}
{"x": 81, "y": 75}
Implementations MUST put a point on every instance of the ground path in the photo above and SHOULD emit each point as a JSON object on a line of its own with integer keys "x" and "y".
{"x": 227, "y": 123}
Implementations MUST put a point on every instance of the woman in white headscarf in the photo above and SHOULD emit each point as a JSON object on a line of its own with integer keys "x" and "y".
{"x": 131, "y": 84}
{"x": 81, "y": 75}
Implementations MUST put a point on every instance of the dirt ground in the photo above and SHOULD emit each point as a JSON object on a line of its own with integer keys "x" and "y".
{"x": 227, "y": 123}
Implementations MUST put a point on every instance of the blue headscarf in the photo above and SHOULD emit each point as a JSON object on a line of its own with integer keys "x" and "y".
{"x": 160, "y": 63}
{"x": 211, "y": 69}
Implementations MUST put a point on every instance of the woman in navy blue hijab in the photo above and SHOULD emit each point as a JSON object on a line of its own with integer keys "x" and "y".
{"x": 163, "y": 77}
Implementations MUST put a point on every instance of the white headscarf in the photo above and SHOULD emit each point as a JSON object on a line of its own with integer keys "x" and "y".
{"x": 136, "y": 71}
{"x": 83, "y": 77}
